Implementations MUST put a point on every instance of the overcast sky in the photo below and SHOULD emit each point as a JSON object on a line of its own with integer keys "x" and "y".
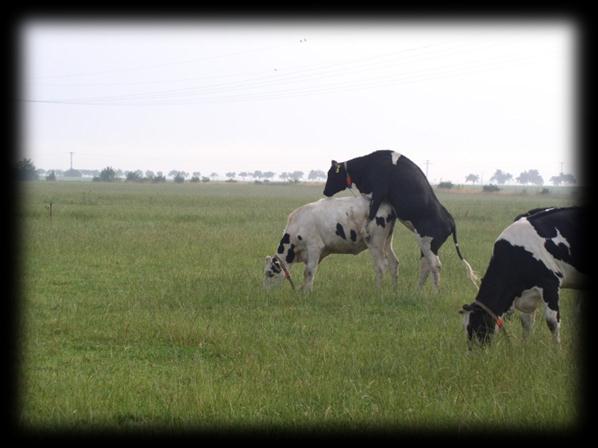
{"x": 217, "y": 95}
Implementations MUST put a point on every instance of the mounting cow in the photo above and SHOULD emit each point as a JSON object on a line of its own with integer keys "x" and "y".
{"x": 533, "y": 258}
{"x": 333, "y": 226}
{"x": 391, "y": 177}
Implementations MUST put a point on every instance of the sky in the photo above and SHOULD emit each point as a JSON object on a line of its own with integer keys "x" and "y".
{"x": 456, "y": 97}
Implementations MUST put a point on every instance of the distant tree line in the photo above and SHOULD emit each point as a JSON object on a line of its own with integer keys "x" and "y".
{"x": 529, "y": 177}
{"x": 27, "y": 171}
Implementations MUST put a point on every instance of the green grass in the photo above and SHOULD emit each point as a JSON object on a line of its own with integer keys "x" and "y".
{"x": 142, "y": 308}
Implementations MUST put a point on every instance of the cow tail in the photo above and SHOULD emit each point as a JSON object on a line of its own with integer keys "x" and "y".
{"x": 470, "y": 272}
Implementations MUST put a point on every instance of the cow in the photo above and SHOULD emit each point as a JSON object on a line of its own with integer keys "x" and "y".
{"x": 532, "y": 259}
{"x": 392, "y": 177}
{"x": 333, "y": 226}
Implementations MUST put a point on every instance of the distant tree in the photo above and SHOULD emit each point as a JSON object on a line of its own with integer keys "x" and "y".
{"x": 530, "y": 177}
{"x": 563, "y": 178}
{"x": 149, "y": 175}
{"x": 194, "y": 179}
{"x": 243, "y": 175}
{"x": 501, "y": 178}
{"x": 205, "y": 179}
{"x": 257, "y": 174}
{"x": 296, "y": 176}
{"x": 196, "y": 174}
{"x": 26, "y": 170}
{"x": 231, "y": 174}
{"x": 268, "y": 174}
{"x": 51, "y": 177}
{"x": 213, "y": 175}
{"x": 473, "y": 178}
{"x": 158, "y": 178}
{"x": 134, "y": 176}
{"x": 106, "y": 175}
{"x": 316, "y": 174}
{"x": 179, "y": 178}
{"x": 284, "y": 175}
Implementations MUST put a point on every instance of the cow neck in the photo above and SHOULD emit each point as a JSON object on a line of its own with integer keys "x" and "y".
{"x": 491, "y": 313}
{"x": 348, "y": 179}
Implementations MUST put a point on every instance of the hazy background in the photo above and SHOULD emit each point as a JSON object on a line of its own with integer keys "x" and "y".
{"x": 218, "y": 96}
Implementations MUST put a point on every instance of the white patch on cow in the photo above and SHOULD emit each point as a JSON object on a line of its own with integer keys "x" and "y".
{"x": 529, "y": 299}
{"x": 395, "y": 157}
{"x": 560, "y": 239}
{"x": 466, "y": 315}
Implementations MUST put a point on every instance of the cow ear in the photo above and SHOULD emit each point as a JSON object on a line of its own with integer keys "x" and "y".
{"x": 268, "y": 259}
{"x": 467, "y": 308}
{"x": 334, "y": 163}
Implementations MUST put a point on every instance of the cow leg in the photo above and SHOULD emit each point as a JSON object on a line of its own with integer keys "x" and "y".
{"x": 424, "y": 271}
{"x": 430, "y": 263}
{"x": 379, "y": 263}
{"x": 527, "y": 322}
{"x": 551, "y": 310}
{"x": 311, "y": 266}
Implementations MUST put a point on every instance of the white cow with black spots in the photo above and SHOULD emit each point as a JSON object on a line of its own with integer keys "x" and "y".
{"x": 333, "y": 226}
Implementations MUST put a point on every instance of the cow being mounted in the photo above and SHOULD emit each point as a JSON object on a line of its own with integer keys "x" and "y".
{"x": 391, "y": 177}
{"x": 333, "y": 226}
{"x": 533, "y": 258}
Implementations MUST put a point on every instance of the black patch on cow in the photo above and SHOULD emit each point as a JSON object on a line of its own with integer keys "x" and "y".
{"x": 353, "y": 235}
{"x": 380, "y": 221}
{"x": 286, "y": 239}
{"x": 275, "y": 266}
{"x": 299, "y": 237}
{"x": 391, "y": 216}
{"x": 291, "y": 254}
{"x": 568, "y": 221}
{"x": 340, "y": 231}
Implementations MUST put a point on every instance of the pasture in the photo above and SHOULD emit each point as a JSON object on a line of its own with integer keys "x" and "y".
{"x": 142, "y": 308}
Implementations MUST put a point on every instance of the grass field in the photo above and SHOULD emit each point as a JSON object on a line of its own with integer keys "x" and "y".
{"x": 142, "y": 308}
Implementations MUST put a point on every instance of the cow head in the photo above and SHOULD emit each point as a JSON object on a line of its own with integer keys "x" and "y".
{"x": 478, "y": 324}
{"x": 273, "y": 273}
{"x": 336, "y": 180}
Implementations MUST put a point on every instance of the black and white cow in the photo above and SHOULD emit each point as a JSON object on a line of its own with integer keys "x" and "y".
{"x": 333, "y": 226}
{"x": 391, "y": 177}
{"x": 532, "y": 259}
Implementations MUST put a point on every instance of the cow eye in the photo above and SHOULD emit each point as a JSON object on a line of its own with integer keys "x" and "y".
{"x": 269, "y": 273}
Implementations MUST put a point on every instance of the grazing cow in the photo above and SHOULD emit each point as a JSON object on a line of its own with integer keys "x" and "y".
{"x": 391, "y": 177}
{"x": 333, "y": 226}
{"x": 533, "y": 258}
